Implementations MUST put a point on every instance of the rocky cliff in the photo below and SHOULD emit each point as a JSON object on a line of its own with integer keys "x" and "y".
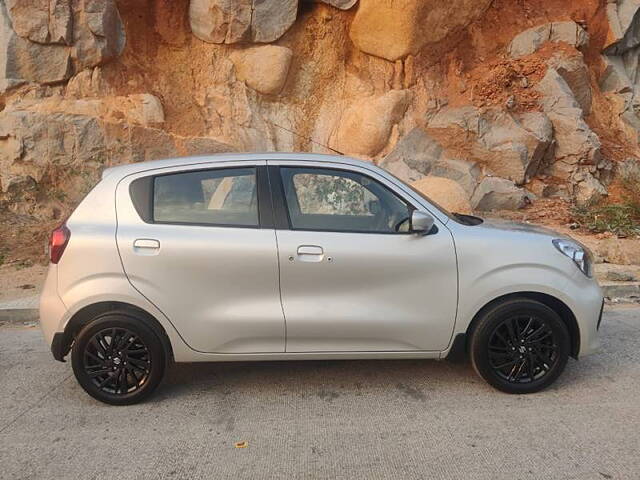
{"x": 486, "y": 104}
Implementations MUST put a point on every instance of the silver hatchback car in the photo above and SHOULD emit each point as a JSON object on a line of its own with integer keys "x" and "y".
{"x": 299, "y": 256}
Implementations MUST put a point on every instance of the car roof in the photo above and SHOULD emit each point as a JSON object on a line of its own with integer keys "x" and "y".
{"x": 128, "y": 169}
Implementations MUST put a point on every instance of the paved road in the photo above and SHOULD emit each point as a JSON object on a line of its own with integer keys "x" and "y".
{"x": 350, "y": 419}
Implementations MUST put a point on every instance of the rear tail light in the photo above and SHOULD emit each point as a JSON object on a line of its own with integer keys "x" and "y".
{"x": 58, "y": 242}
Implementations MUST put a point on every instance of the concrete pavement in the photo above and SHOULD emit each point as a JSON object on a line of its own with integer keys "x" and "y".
{"x": 330, "y": 419}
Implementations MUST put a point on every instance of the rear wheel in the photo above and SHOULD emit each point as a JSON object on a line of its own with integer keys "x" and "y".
{"x": 118, "y": 359}
{"x": 520, "y": 346}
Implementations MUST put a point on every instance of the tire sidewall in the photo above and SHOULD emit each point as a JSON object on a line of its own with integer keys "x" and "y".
{"x": 480, "y": 339}
{"x": 148, "y": 337}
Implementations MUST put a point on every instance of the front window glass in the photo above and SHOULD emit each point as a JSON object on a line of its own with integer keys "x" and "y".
{"x": 335, "y": 200}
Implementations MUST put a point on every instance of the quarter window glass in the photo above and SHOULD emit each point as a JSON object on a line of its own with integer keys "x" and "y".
{"x": 212, "y": 197}
{"x": 334, "y": 200}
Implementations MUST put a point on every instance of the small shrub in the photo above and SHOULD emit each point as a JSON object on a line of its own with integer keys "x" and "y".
{"x": 622, "y": 219}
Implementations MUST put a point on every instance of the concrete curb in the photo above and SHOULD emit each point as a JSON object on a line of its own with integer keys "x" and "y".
{"x": 627, "y": 290}
{"x": 19, "y": 315}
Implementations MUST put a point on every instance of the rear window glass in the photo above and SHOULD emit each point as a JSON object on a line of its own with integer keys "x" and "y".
{"x": 225, "y": 197}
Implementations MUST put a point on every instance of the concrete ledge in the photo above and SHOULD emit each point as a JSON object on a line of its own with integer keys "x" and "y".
{"x": 19, "y": 315}
{"x": 622, "y": 290}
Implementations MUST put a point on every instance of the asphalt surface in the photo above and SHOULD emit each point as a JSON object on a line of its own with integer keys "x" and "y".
{"x": 333, "y": 419}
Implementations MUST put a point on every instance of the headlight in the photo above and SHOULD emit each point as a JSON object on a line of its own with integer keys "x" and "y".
{"x": 576, "y": 252}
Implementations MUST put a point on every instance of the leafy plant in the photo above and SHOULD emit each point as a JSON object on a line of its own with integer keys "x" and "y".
{"x": 622, "y": 219}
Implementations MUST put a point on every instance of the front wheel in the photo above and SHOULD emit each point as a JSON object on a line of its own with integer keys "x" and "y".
{"x": 118, "y": 359}
{"x": 520, "y": 346}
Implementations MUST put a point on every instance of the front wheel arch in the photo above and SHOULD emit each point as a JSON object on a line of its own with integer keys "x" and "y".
{"x": 555, "y": 304}
{"x": 86, "y": 314}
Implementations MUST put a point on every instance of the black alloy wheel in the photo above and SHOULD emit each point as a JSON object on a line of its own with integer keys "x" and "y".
{"x": 520, "y": 346}
{"x": 522, "y": 349}
{"x": 118, "y": 359}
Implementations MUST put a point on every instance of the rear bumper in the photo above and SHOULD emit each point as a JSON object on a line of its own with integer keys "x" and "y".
{"x": 52, "y": 311}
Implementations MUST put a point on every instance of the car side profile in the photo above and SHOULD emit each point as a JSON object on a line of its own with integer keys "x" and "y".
{"x": 280, "y": 256}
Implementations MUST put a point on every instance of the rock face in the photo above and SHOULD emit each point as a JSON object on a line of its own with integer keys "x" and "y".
{"x": 366, "y": 125}
{"x": 233, "y": 21}
{"x": 36, "y": 148}
{"x": 578, "y": 152}
{"x": 46, "y": 41}
{"x": 458, "y": 96}
{"x": 512, "y": 146}
{"x": 417, "y": 155}
{"x": 531, "y": 40}
{"x": 445, "y": 192}
{"x": 393, "y": 29}
{"x": 264, "y": 69}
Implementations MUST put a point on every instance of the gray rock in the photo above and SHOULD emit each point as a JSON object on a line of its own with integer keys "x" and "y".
{"x": 512, "y": 146}
{"x": 221, "y": 21}
{"x": 529, "y": 41}
{"x": 234, "y": 21}
{"x": 272, "y": 18}
{"x": 341, "y": 4}
{"x": 413, "y": 156}
{"x": 41, "y": 21}
{"x": 417, "y": 155}
{"x": 98, "y": 33}
{"x": 499, "y": 194}
{"x": 587, "y": 189}
{"x": 24, "y": 60}
{"x": 574, "y": 71}
{"x": 615, "y": 77}
{"x": 576, "y": 143}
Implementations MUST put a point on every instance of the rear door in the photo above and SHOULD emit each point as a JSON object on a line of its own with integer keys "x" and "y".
{"x": 200, "y": 245}
{"x": 352, "y": 276}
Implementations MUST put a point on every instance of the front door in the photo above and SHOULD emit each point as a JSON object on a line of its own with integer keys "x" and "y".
{"x": 353, "y": 278}
{"x": 204, "y": 253}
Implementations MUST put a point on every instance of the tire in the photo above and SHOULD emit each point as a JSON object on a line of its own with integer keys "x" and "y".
{"x": 527, "y": 339}
{"x": 123, "y": 373}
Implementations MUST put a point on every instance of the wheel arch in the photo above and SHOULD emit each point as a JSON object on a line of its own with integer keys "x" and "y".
{"x": 86, "y": 314}
{"x": 554, "y": 303}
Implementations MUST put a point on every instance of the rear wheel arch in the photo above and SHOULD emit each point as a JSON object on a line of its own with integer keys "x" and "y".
{"x": 555, "y": 304}
{"x": 87, "y": 314}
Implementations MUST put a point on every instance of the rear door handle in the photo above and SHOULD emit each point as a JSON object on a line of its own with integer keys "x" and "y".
{"x": 146, "y": 246}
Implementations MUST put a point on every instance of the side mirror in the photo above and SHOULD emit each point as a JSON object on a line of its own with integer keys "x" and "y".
{"x": 421, "y": 222}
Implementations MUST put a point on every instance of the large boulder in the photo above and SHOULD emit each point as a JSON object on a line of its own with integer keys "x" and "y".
{"x": 512, "y": 146}
{"x": 233, "y": 21}
{"x": 42, "y": 21}
{"x": 495, "y": 193}
{"x": 576, "y": 144}
{"x": 531, "y": 40}
{"x": 264, "y": 68}
{"x": 417, "y": 155}
{"x": 445, "y": 192}
{"x": 49, "y": 48}
{"x": 575, "y": 72}
{"x": 24, "y": 60}
{"x": 393, "y": 29}
{"x": 365, "y": 126}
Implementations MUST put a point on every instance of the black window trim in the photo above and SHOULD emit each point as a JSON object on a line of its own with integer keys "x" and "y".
{"x": 263, "y": 197}
{"x": 282, "y": 218}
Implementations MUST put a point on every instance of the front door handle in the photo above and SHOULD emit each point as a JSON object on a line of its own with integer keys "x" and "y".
{"x": 310, "y": 253}
{"x": 146, "y": 246}
{"x": 310, "y": 250}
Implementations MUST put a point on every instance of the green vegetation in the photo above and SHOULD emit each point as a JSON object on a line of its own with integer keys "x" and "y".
{"x": 622, "y": 219}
